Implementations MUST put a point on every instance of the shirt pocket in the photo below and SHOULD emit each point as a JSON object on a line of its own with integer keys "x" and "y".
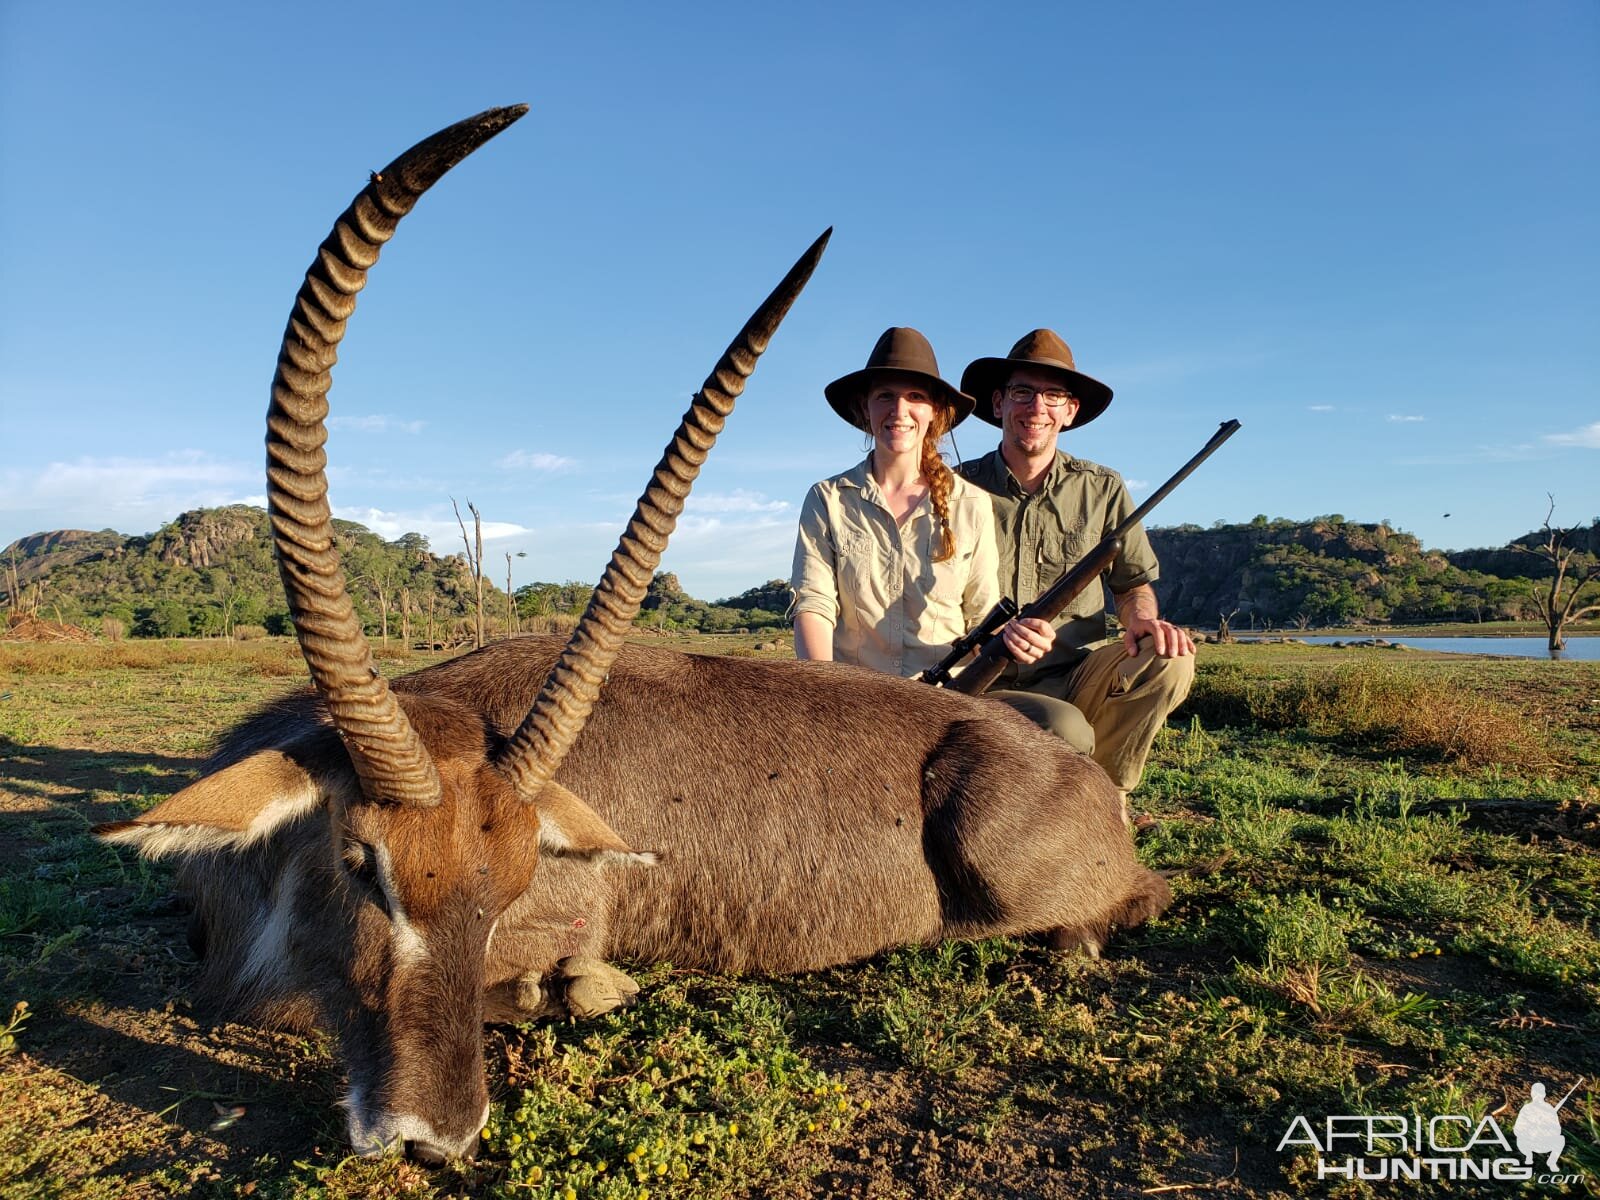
{"x": 860, "y": 573}
{"x": 1058, "y": 554}
{"x": 944, "y": 586}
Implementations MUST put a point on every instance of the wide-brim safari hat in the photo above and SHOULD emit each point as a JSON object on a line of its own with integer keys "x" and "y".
{"x": 900, "y": 351}
{"x": 1042, "y": 349}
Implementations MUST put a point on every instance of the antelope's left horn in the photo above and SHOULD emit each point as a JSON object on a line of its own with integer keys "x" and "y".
{"x": 558, "y": 714}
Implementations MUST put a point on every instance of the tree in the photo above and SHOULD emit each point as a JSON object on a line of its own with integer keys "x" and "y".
{"x": 1225, "y": 625}
{"x": 163, "y": 619}
{"x": 511, "y": 596}
{"x": 474, "y": 563}
{"x": 1557, "y": 606}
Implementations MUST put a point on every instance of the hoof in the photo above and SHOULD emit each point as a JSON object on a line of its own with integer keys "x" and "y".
{"x": 595, "y": 987}
{"x": 519, "y": 1000}
{"x": 1070, "y": 941}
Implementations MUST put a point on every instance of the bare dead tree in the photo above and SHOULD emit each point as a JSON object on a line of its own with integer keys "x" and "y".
{"x": 383, "y": 588}
{"x": 474, "y": 562}
{"x": 1224, "y": 625}
{"x": 1302, "y": 621}
{"x": 13, "y": 587}
{"x": 1558, "y": 607}
{"x": 511, "y": 599}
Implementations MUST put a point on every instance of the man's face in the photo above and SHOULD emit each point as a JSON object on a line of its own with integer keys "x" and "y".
{"x": 1031, "y": 424}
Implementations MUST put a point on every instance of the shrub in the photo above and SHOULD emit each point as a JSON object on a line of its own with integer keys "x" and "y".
{"x": 1375, "y": 704}
{"x": 249, "y": 633}
{"x": 112, "y": 628}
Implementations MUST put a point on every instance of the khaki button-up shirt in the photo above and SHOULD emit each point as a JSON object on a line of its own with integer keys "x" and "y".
{"x": 1043, "y": 535}
{"x": 891, "y": 606}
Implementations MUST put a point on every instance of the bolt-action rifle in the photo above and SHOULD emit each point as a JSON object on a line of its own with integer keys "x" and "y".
{"x": 992, "y": 655}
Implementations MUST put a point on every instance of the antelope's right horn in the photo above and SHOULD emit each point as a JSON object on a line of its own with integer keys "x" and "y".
{"x": 558, "y": 714}
{"x": 388, "y": 756}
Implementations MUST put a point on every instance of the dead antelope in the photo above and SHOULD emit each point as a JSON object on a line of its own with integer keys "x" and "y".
{"x": 364, "y": 858}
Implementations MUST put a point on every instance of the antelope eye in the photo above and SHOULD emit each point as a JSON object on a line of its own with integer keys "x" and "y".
{"x": 361, "y": 860}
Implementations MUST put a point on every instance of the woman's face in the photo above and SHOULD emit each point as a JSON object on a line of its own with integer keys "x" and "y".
{"x": 899, "y": 413}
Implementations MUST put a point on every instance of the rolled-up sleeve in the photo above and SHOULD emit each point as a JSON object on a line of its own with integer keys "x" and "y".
{"x": 814, "y": 578}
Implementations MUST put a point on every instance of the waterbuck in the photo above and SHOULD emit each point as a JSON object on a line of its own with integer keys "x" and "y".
{"x": 400, "y": 863}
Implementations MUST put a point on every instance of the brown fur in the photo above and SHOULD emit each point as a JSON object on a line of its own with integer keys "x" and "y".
{"x": 805, "y": 814}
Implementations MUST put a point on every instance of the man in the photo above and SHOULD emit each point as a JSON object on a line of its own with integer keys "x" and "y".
{"x": 1050, "y": 510}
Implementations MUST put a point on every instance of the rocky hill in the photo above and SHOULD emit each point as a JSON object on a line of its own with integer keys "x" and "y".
{"x": 211, "y": 570}
{"x": 1329, "y": 571}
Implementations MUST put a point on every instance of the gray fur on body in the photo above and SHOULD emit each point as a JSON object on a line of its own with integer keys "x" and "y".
{"x": 805, "y": 815}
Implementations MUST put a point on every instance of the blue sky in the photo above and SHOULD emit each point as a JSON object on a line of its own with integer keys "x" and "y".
{"x": 1368, "y": 231}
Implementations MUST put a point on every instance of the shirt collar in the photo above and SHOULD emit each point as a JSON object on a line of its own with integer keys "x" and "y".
{"x": 1053, "y": 477}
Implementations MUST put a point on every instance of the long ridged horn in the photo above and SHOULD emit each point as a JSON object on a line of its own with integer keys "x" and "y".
{"x": 534, "y": 752}
{"x": 389, "y": 757}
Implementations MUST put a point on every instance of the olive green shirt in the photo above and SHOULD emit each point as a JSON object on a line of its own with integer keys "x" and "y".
{"x": 1043, "y": 535}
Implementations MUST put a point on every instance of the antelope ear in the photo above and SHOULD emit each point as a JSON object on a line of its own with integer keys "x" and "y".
{"x": 569, "y": 828}
{"x": 227, "y": 810}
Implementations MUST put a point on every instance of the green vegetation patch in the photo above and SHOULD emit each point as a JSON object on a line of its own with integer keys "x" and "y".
{"x": 695, "y": 1093}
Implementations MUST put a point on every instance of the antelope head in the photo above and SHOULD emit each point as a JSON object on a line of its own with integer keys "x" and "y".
{"x": 391, "y": 839}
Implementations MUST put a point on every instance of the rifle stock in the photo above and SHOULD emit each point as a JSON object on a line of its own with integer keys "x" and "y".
{"x": 976, "y": 677}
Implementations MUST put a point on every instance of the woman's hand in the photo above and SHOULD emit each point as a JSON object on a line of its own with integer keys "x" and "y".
{"x": 1028, "y": 639}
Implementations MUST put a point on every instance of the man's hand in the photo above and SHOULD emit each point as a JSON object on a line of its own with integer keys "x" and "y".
{"x": 1028, "y": 639}
{"x": 1170, "y": 641}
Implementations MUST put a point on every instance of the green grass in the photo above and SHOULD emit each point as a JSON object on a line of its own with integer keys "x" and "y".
{"x": 1370, "y": 917}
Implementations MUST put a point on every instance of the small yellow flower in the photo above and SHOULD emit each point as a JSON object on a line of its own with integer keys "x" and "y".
{"x": 535, "y": 1174}
{"x": 661, "y": 1168}
{"x": 733, "y": 1129}
{"x": 844, "y": 1105}
{"x": 699, "y": 1138}
{"x": 811, "y": 1126}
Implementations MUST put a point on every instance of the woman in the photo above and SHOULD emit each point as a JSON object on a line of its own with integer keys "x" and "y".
{"x": 896, "y": 557}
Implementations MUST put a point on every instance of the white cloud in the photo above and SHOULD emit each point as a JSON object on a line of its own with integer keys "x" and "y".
{"x": 535, "y": 460}
{"x": 1319, "y": 408}
{"x": 1587, "y": 437}
{"x": 131, "y": 495}
{"x": 376, "y": 423}
{"x": 120, "y": 480}
{"x": 1137, "y": 485}
{"x": 737, "y": 501}
{"x": 1405, "y": 418}
{"x": 441, "y": 532}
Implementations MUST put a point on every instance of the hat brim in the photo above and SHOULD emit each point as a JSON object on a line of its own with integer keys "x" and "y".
{"x": 986, "y": 376}
{"x": 844, "y": 393}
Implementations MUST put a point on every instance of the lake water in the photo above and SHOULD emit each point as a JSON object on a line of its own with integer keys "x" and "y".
{"x": 1582, "y": 648}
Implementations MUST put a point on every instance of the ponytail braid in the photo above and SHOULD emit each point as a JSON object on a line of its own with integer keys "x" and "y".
{"x": 941, "y": 480}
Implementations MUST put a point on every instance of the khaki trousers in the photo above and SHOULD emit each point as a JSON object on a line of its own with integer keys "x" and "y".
{"x": 1110, "y": 706}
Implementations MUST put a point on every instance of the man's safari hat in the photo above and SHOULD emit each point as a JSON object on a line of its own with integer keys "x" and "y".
{"x": 1041, "y": 349}
{"x": 900, "y": 351}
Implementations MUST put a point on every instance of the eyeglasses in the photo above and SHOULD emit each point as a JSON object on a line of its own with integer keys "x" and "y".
{"x": 1021, "y": 393}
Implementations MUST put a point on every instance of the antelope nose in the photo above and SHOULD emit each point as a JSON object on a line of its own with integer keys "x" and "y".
{"x": 431, "y": 1154}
